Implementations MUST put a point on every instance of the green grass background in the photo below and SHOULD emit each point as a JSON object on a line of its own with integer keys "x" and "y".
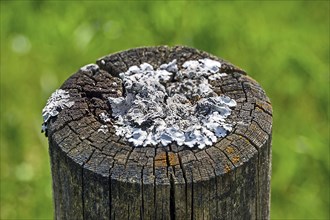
{"x": 284, "y": 45}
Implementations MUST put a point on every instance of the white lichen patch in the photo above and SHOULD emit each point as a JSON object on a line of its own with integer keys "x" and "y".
{"x": 170, "y": 105}
{"x": 217, "y": 76}
{"x": 104, "y": 129}
{"x": 59, "y": 100}
{"x": 104, "y": 117}
{"x": 90, "y": 67}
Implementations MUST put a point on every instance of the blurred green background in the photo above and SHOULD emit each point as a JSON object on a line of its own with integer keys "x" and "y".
{"x": 283, "y": 45}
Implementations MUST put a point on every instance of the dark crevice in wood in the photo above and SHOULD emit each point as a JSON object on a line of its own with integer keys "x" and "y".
{"x": 212, "y": 164}
{"x": 257, "y": 123}
{"x": 83, "y": 184}
{"x": 264, "y": 110}
{"x": 172, "y": 198}
{"x": 232, "y": 200}
{"x": 110, "y": 192}
{"x": 246, "y": 98}
{"x": 142, "y": 197}
{"x": 185, "y": 180}
{"x": 82, "y": 194}
{"x": 74, "y": 148}
{"x": 93, "y": 94}
{"x": 232, "y": 163}
{"x": 172, "y": 188}
{"x": 127, "y": 158}
{"x": 90, "y": 156}
{"x": 65, "y": 123}
{"x": 252, "y": 110}
{"x": 128, "y": 210}
{"x": 245, "y": 137}
{"x": 192, "y": 200}
{"x": 78, "y": 135}
{"x": 60, "y": 142}
{"x": 154, "y": 185}
{"x": 89, "y": 96}
{"x": 123, "y": 89}
{"x": 258, "y": 188}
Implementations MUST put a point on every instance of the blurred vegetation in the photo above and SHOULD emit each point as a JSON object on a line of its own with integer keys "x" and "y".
{"x": 283, "y": 45}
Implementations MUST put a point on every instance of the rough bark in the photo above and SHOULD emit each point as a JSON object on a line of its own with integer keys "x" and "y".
{"x": 102, "y": 176}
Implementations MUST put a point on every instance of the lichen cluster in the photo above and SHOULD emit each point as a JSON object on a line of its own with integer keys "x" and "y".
{"x": 59, "y": 100}
{"x": 170, "y": 105}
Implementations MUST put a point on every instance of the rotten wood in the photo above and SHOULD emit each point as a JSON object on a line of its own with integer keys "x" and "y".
{"x": 98, "y": 175}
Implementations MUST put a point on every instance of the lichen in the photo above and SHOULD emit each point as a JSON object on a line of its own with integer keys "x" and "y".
{"x": 90, "y": 67}
{"x": 104, "y": 117}
{"x": 59, "y": 100}
{"x": 170, "y": 105}
{"x": 104, "y": 129}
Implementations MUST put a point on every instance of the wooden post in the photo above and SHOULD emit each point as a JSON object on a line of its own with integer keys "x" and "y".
{"x": 100, "y": 175}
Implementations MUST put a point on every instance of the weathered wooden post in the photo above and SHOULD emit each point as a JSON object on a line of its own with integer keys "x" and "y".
{"x": 160, "y": 133}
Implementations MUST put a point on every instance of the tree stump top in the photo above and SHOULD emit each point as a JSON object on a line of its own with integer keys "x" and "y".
{"x": 85, "y": 135}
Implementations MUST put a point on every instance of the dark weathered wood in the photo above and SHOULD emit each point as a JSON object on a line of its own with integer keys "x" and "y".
{"x": 102, "y": 176}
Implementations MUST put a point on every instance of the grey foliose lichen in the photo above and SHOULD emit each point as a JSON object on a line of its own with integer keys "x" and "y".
{"x": 104, "y": 129}
{"x": 59, "y": 100}
{"x": 90, "y": 67}
{"x": 170, "y": 105}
